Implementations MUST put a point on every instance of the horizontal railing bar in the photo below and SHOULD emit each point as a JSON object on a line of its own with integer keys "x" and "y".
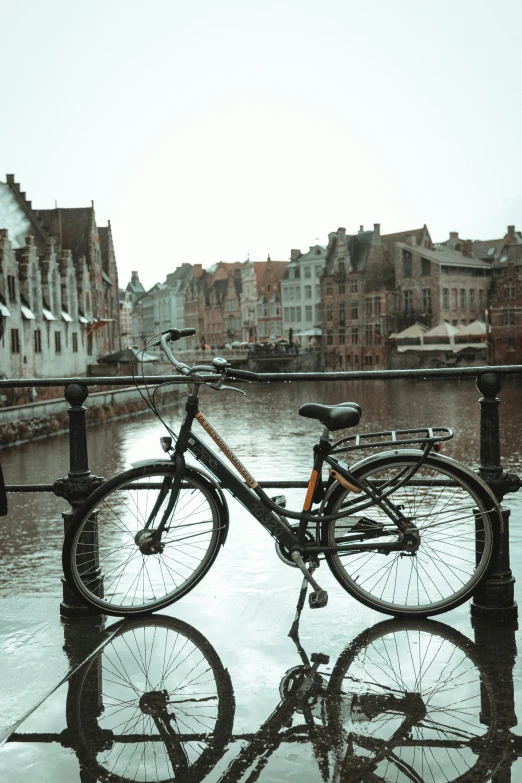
{"x": 273, "y": 377}
{"x": 29, "y": 487}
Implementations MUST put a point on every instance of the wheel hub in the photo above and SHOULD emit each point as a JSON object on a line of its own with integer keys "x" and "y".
{"x": 154, "y": 703}
{"x": 147, "y": 544}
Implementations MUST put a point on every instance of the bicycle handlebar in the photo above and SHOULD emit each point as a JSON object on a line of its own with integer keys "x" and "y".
{"x": 172, "y": 335}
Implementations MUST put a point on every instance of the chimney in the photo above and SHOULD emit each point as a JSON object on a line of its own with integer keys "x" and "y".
{"x": 134, "y": 277}
{"x": 341, "y": 233}
{"x": 198, "y": 270}
{"x": 377, "y": 229}
{"x": 361, "y": 229}
{"x": 467, "y": 248}
{"x": 295, "y": 254}
{"x": 511, "y": 232}
{"x": 454, "y": 234}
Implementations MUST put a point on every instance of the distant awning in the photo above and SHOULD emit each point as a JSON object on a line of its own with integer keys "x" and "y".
{"x": 66, "y": 317}
{"x": 98, "y": 324}
{"x": 106, "y": 278}
{"x": 129, "y": 355}
{"x": 4, "y": 309}
{"x": 27, "y": 312}
{"x": 83, "y": 320}
{"x": 313, "y": 332}
{"x": 48, "y": 315}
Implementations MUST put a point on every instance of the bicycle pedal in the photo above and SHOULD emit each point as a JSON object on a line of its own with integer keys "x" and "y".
{"x": 318, "y": 599}
{"x": 280, "y": 500}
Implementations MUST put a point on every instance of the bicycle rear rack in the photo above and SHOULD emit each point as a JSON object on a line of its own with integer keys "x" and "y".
{"x": 373, "y": 440}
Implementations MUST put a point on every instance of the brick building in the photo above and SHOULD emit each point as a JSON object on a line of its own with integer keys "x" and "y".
{"x": 505, "y": 306}
{"x": 269, "y": 275}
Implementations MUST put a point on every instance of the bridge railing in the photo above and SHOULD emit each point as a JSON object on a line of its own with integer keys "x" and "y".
{"x": 496, "y": 599}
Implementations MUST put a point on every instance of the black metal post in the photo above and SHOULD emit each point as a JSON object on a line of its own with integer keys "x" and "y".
{"x": 78, "y": 484}
{"x": 495, "y": 600}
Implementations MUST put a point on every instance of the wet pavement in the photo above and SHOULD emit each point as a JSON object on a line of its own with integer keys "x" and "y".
{"x": 215, "y": 688}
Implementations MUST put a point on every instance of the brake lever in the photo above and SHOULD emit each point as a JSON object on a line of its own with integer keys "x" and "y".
{"x": 218, "y": 385}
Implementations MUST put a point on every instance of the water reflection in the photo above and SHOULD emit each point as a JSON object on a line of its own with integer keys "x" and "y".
{"x": 405, "y": 701}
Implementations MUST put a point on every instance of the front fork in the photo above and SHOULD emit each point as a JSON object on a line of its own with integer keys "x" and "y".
{"x": 150, "y": 541}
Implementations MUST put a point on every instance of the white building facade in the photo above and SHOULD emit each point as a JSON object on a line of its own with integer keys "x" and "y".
{"x": 301, "y": 292}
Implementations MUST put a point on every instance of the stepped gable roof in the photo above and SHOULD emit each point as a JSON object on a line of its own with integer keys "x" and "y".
{"x": 181, "y": 277}
{"x": 263, "y": 276}
{"x": 359, "y": 247}
{"x": 73, "y": 226}
{"x": 311, "y": 255}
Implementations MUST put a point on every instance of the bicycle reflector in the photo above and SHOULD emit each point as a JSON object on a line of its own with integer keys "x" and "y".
{"x": 437, "y": 447}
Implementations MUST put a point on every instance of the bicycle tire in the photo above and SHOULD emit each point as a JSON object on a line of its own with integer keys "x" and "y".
{"x": 107, "y": 695}
{"x": 395, "y": 657}
{"x": 121, "y": 506}
{"x": 440, "y": 575}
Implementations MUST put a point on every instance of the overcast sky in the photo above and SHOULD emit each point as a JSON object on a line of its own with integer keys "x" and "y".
{"x": 208, "y": 130}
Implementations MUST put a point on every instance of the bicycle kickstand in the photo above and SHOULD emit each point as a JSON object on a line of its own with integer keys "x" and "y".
{"x": 319, "y": 597}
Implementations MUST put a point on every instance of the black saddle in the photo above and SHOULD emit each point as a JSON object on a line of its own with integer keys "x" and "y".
{"x": 335, "y": 417}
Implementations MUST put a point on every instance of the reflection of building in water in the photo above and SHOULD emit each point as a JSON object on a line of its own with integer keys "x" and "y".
{"x": 58, "y": 287}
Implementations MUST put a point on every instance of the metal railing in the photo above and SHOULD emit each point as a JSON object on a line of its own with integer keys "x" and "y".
{"x": 495, "y": 602}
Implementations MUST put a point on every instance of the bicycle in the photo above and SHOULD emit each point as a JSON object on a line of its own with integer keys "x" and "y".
{"x": 422, "y": 546}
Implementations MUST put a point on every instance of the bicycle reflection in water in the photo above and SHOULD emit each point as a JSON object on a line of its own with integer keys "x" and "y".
{"x": 405, "y": 701}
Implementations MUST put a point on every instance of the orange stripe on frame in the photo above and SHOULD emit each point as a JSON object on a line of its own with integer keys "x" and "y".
{"x": 310, "y": 490}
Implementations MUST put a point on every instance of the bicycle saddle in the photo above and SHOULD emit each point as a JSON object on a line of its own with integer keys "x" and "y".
{"x": 335, "y": 417}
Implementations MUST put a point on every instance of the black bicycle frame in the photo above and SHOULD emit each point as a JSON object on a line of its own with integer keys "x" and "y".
{"x": 261, "y": 506}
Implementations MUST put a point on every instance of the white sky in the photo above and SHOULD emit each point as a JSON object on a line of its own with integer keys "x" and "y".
{"x": 209, "y": 129}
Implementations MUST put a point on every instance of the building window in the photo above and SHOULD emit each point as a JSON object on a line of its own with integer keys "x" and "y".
{"x": 292, "y": 314}
{"x": 445, "y": 298}
{"x": 329, "y": 288}
{"x": 368, "y": 306}
{"x": 355, "y": 311}
{"x": 286, "y": 313}
{"x": 342, "y": 314}
{"x": 426, "y": 300}
{"x": 353, "y": 286}
{"x": 11, "y": 287}
{"x": 509, "y": 317}
{"x": 369, "y": 334}
{"x": 15, "y": 341}
{"x": 57, "y": 342}
{"x": 368, "y": 361}
{"x": 308, "y": 291}
{"x": 342, "y": 337}
{"x": 329, "y": 337}
{"x": 329, "y": 312}
{"x": 511, "y": 343}
{"x": 471, "y": 299}
{"x": 407, "y": 302}
{"x": 425, "y": 267}
{"x": 355, "y": 335}
{"x": 406, "y": 263}
{"x": 298, "y": 314}
{"x": 38, "y": 341}
{"x": 308, "y": 272}
{"x": 308, "y": 312}
{"x": 462, "y": 299}
{"x": 377, "y": 305}
{"x": 75, "y": 342}
{"x": 481, "y": 299}
{"x": 342, "y": 287}
{"x": 510, "y": 291}
{"x": 89, "y": 344}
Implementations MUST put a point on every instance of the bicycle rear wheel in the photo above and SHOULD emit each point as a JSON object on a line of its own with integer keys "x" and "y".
{"x": 452, "y": 511}
{"x": 105, "y": 559}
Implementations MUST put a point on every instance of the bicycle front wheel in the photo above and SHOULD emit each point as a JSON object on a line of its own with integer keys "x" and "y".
{"x": 106, "y": 557}
{"x": 451, "y": 509}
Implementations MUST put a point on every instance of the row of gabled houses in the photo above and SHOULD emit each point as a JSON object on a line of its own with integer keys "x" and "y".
{"x": 59, "y": 295}
{"x": 227, "y": 303}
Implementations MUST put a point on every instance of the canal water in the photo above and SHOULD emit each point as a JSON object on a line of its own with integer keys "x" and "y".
{"x": 242, "y": 611}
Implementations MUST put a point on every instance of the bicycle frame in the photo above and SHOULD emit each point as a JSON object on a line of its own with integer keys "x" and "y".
{"x": 268, "y": 513}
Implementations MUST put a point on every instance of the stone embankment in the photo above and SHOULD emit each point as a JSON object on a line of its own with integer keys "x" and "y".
{"x": 49, "y": 417}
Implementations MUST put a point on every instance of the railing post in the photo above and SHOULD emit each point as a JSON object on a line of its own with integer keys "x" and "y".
{"x": 495, "y": 599}
{"x": 78, "y": 484}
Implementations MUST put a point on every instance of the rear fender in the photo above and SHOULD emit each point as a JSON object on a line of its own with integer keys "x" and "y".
{"x": 208, "y": 482}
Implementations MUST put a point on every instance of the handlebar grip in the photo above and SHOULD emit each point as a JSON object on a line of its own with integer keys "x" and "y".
{"x": 241, "y": 375}
{"x": 177, "y": 334}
